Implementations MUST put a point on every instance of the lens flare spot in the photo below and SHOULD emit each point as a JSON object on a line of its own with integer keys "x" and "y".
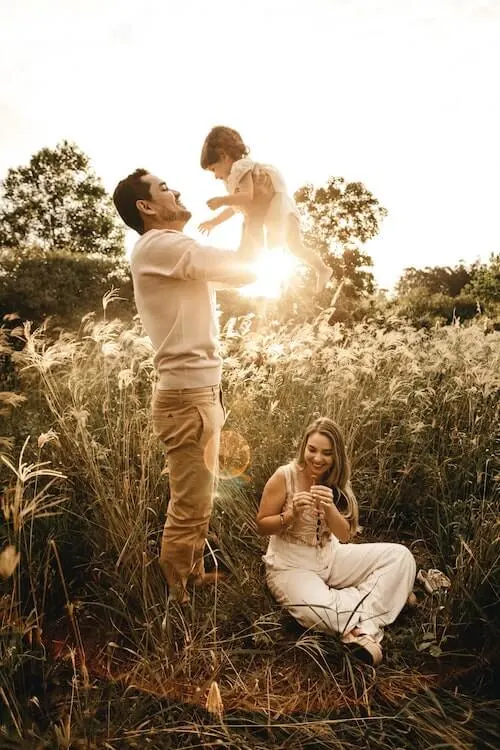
{"x": 274, "y": 269}
{"x": 234, "y": 454}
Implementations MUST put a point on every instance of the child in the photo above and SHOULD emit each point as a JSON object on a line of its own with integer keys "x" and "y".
{"x": 259, "y": 192}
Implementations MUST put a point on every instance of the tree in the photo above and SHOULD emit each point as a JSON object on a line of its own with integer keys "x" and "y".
{"x": 485, "y": 280}
{"x": 424, "y": 309}
{"x": 434, "y": 280}
{"x": 440, "y": 293}
{"x": 338, "y": 218}
{"x": 58, "y": 203}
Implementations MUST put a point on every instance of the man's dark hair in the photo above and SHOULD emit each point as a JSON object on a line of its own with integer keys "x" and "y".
{"x": 126, "y": 193}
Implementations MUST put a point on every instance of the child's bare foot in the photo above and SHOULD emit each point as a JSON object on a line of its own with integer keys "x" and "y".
{"x": 323, "y": 275}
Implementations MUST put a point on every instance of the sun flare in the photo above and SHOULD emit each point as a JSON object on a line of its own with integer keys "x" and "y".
{"x": 274, "y": 269}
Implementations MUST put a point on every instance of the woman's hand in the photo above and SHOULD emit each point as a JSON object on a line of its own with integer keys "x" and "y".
{"x": 328, "y": 511}
{"x": 322, "y": 493}
{"x": 323, "y": 499}
{"x": 301, "y": 501}
{"x": 215, "y": 203}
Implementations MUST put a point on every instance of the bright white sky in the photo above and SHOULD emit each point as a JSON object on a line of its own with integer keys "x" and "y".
{"x": 401, "y": 95}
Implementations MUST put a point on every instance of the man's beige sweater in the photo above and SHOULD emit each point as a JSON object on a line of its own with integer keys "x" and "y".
{"x": 174, "y": 279}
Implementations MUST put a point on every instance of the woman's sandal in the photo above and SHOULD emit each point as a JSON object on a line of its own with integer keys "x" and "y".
{"x": 364, "y": 647}
{"x": 433, "y": 580}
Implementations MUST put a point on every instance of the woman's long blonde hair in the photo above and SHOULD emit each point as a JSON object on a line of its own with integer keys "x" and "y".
{"x": 339, "y": 476}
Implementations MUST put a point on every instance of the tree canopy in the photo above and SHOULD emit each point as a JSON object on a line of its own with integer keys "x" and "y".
{"x": 56, "y": 203}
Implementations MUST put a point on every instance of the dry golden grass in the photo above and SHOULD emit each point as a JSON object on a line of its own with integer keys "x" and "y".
{"x": 420, "y": 413}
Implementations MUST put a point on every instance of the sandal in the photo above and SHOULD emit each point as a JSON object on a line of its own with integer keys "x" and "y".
{"x": 364, "y": 647}
{"x": 433, "y": 580}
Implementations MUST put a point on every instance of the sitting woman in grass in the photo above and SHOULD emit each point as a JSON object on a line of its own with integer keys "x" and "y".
{"x": 309, "y": 510}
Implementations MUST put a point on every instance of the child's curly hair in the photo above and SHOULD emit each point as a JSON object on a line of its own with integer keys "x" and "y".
{"x": 222, "y": 140}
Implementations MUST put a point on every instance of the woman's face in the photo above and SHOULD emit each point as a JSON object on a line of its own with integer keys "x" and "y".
{"x": 318, "y": 454}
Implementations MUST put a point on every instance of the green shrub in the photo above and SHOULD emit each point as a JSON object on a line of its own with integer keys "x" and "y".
{"x": 61, "y": 285}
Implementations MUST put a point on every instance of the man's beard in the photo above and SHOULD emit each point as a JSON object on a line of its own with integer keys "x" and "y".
{"x": 183, "y": 215}
{"x": 180, "y": 214}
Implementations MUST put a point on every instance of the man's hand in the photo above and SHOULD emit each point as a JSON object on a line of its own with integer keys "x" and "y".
{"x": 215, "y": 203}
{"x": 206, "y": 226}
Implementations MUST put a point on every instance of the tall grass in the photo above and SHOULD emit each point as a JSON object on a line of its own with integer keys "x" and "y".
{"x": 420, "y": 413}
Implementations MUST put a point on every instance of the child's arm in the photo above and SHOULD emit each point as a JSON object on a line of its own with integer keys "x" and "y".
{"x": 223, "y": 216}
{"x": 243, "y": 196}
{"x": 206, "y": 226}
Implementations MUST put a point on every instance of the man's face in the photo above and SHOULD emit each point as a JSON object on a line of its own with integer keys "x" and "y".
{"x": 165, "y": 203}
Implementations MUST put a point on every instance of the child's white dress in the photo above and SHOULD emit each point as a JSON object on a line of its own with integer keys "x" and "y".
{"x": 278, "y": 207}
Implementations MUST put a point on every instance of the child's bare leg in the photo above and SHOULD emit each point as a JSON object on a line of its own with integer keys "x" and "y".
{"x": 297, "y": 247}
{"x": 252, "y": 236}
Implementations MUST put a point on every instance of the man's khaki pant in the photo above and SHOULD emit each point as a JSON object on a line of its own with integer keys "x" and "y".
{"x": 189, "y": 423}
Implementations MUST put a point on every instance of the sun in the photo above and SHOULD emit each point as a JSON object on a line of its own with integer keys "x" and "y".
{"x": 274, "y": 269}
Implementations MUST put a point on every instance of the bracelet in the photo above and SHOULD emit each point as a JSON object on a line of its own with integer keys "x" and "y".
{"x": 282, "y": 521}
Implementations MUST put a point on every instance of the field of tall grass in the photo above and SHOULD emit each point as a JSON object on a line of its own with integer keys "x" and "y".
{"x": 91, "y": 653}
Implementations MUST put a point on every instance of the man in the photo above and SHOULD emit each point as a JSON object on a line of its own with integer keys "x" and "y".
{"x": 173, "y": 278}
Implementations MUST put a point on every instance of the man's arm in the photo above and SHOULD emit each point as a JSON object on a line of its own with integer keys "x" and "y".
{"x": 180, "y": 257}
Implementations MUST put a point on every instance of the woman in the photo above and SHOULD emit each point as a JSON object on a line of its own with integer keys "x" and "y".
{"x": 309, "y": 510}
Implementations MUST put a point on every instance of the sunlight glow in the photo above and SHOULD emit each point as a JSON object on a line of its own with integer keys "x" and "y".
{"x": 274, "y": 269}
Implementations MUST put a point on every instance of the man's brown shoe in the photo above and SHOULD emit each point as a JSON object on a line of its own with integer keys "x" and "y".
{"x": 209, "y": 579}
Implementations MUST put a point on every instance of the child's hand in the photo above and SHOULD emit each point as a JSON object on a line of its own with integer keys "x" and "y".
{"x": 215, "y": 203}
{"x": 206, "y": 226}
